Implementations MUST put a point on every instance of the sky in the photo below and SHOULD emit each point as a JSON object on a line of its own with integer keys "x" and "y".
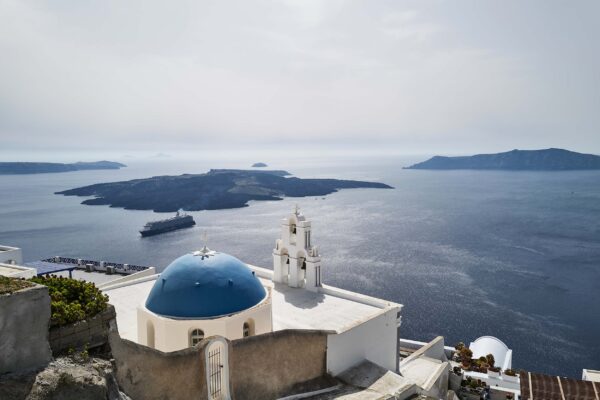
{"x": 405, "y": 77}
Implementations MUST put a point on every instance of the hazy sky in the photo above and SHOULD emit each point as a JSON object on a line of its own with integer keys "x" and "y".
{"x": 398, "y": 76}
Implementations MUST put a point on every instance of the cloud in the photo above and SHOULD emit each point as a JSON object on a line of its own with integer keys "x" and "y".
{"x": 149, "y": 74}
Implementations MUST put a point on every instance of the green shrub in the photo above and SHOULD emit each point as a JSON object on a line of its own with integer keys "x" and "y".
{"x": 72, "y": 300}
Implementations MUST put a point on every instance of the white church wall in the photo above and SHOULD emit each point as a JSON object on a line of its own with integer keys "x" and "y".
{"x": 174, "y": 334}
{"x": 375, "y": 340}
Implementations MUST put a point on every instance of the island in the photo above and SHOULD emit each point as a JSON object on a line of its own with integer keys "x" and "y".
{"x": 214, "y": 190}
{"x": 13, "y": 168}
{"x": 259, "y": 165}
{"x": 516, "y": 160}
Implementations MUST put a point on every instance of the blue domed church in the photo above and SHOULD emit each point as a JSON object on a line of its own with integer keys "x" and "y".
{"x": 204, "y": 293}
{"x": 265, "y": 327}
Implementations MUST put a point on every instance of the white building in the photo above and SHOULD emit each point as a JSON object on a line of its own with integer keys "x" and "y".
{"x": 485, "y": 345}
{"x": 208, "y": 293}
{"x": 10, "y": 260}
{"x": 11, "y": 255}
{"x": 591, "y": 375}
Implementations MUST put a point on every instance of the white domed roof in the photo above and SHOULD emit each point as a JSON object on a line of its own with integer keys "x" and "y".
{"x": 485, "y": 345}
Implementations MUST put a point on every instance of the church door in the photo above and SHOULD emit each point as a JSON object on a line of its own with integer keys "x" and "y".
{"x": 217, "y": 369}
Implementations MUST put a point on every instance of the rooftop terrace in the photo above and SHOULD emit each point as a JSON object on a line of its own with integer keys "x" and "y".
{"x": 292, "y": 308}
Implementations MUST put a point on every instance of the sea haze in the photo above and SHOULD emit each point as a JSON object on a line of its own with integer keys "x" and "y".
{"x": 469, "y": 253}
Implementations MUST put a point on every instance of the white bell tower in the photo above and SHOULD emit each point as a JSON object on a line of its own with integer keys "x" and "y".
{"x": 296, "y": 262}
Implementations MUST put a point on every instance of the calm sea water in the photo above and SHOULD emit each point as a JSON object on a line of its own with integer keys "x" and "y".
{"x": 469, "y": 253}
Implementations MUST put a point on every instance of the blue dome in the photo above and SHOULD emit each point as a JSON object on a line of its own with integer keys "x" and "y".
{"x": 205, "y": 286}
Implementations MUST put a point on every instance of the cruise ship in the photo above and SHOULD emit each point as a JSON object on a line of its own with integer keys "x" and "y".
{"x": 179, "y": 221}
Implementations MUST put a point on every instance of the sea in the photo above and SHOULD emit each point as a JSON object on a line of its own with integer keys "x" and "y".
{"x": 514, "y": 255}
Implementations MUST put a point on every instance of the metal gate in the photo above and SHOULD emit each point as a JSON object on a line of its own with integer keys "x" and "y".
{"x": 214, "y": 373}
{"x": 217, "y": 371}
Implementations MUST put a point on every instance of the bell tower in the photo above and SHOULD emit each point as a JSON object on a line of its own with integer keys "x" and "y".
{"x": 296, "y": 262}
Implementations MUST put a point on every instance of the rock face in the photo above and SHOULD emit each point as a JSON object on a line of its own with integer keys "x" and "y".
{"x": 71, "y": 380}
{"x": 217, "y": 189}
{"x": 536, "y": 160}
{"x": 64, "y": 379}
{"x": 7, "y": 168}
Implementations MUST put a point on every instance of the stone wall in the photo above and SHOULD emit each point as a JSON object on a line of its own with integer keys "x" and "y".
{"x": 24, "y": 320}
{"x": 92, "y": 332}
{"x": 277, "y": 364}
{"x": 145, "y": 373}
{"x": 261, "y": 367}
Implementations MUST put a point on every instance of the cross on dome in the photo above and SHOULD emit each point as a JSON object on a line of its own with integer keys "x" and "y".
{"x": 204, "y": 252}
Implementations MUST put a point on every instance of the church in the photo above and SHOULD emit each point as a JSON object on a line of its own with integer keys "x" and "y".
{"x": 211, "y": 326}
{"x": 208, "y": 293}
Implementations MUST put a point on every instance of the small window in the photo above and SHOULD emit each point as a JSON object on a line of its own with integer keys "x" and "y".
{"x": 196, "y": 337}
{"x": 248, "y": 328}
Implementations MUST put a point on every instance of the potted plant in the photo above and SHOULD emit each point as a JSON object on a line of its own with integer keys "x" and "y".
{"x": 510, "y": 375}
{"x": 494, "y": 372}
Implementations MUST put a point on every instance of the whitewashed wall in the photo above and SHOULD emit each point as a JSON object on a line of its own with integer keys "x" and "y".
{"x": 8, "y": 254}
{"x": 375, "y": 340}
{"x": 174, "y": 334}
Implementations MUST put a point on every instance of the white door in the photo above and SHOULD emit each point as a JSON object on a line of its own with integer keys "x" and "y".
{"x": 217, "y": 369}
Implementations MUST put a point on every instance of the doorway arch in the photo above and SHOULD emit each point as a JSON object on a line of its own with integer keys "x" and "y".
{"x": 216, "y": 357}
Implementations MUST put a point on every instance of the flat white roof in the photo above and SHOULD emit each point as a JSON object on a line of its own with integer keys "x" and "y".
{"x": 8, "y": 248}
{"x": 591, "y": 375}
{"x": 15, "y": 270}
{"x": 293, "y": 308}
{"x": 7, "y": 269}
{"x": 126, "y": 299}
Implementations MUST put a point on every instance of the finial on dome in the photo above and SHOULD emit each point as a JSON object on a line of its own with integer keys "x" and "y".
{"x": 204, "y": 238}
{"x": 205, "y": 251}
{"x": 296, "y": 209}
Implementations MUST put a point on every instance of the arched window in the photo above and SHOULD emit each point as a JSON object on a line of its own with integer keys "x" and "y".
{"x": 196, "y": 337}
{"x": 292, "y": 233}
{"x": 248, "y": 329}
{"x": 150, "y": 334}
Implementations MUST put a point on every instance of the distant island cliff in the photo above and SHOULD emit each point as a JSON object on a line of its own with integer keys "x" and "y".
{"x": 13, "y": 168}
{"x": 518, "y": 160}
{"x": 216, "y": 189}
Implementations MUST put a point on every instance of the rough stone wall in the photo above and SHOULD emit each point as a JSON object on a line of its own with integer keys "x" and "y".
{"x": 24, "y": 320}
{"x": 64, "y": 379}
{"x": 276, "y": 364}
{"x": 145, "y": 373}
{"x": 92, "y": 332}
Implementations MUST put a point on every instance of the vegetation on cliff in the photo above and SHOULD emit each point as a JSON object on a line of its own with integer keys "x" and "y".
{"x": 10, "y": 285}
{"x": 72, "y": 300}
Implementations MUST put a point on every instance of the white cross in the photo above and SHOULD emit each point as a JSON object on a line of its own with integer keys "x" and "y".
{"x": 295, "y": 209}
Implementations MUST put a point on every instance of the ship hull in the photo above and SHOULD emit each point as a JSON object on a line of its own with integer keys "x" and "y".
{"x": 158, "y": 231}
